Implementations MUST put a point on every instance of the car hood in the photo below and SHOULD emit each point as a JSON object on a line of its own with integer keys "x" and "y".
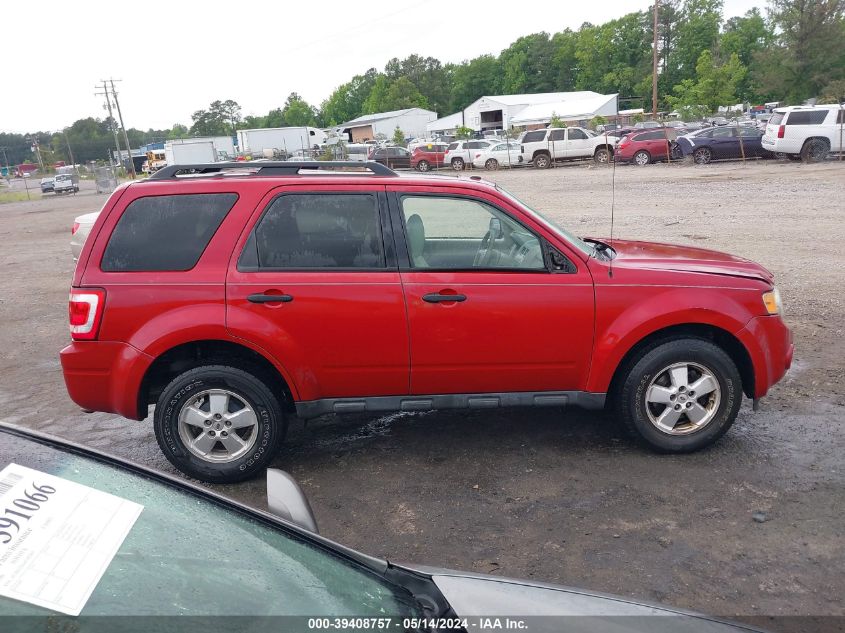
{"x": 659, "y": 256}
{"x": 481, "y": 596}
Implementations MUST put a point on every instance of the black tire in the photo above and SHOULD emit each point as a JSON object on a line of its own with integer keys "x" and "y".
{"x": 815, "y": 150}
{"x": 491, "y": 164}
{"x": 603, "y": 156}
{"x": 542, "y": 161}
{"x": 794, "y": 157}
{"x": 702, "y": 155}
{"x": 645, "y": 158}
{"x": 458, "y": 164}
{"x": 270, "y": 429}
{"x": 630, "y": 393}
{"x": 423, "y": 165}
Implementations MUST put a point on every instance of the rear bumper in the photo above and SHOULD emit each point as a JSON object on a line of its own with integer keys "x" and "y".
{"x": 769, "y": 343}
{"x": 105, "y": 376}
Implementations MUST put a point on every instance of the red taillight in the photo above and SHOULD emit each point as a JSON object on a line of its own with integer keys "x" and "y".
{"x": 85, "y": 310}
{"x": 75, "y": 228}
{"x": 781, "y": 130}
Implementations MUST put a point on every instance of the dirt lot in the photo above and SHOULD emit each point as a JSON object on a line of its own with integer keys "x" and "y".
{"x": 553, "y": 495}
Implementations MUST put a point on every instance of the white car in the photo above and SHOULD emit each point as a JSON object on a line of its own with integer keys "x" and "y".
{"x": 543, "y": 147}
{"x": 808, "y": 132}
{"x": 79, "y": 233}
{"x": 459, "y": 153}
{"x": 493, "y": 157}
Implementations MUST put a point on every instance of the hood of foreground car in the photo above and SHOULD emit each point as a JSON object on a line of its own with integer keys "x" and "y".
{"x": 659, "y": 256}
{"x": 488, "y": 597}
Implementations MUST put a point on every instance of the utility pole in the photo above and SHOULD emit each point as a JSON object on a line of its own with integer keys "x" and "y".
{"x": 69, "y": 150}
{"x": 654, "y": 67}
{"x": 125, "y": 135}
{"x": 105, "y": 92}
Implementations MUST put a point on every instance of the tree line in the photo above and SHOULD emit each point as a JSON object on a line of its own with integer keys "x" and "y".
{"x": 792, "y": 52}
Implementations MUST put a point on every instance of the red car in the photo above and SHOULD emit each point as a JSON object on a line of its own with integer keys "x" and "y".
{"x": 646, "y": 146}
{"x": 233, "y": 301}
{"x": 429, "y": 156}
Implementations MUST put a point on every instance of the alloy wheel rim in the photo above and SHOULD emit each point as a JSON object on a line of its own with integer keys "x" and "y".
{"x": 602, "y": 156}
{"x": 682, "y": 398}
{"x": 642, "y": 159}
{"x": 703, "y": 156}
{"x": 218, "y": 426}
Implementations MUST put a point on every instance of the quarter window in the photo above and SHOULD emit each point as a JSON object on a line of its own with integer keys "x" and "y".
{"x": 319, "y": 231}
{"x": 806, "y": 117}
{"x": 165, "y": 233}
{"x": 465, "y": 234}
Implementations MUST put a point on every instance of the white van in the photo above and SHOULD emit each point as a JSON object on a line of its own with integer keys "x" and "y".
{"x": 66, "y": 183}
{"x": 811, "y": 132}
{"x": 358, "y": 151}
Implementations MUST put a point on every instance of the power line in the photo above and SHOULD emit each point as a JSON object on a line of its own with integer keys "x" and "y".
{"x": 105, "y": 93}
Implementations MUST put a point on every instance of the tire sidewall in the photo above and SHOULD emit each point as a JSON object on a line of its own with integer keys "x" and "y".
{"x": 458, "y": 164}
{"x": 271, "y": 423}
{"x": 543, "y": 162}
{"x": 655, "y": 361}
{"x": 643, "y": 163}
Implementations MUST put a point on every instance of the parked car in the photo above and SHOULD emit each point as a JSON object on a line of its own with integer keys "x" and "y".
{"x": 391, "y": 156}
{"x": 335, "y": 293}
{"x": 808, "y": 132}
{"x": 544, "y": 147}
{"x": 79, "y": 232}
{"x": 647, "y": 125}
{"x": 168, "y": 565}
{"x": 723, "y": 142}
{"x": 493, "y": 157}
{"x": 359, "y": 152}
{"x": 459, "y": 154}
{"x": 429, "y": 156}
{"x": 47, "y": 185}
{"x": 66, "y": 183}
{"x": 645, "y": 147}
{"x": 717, "y": 120}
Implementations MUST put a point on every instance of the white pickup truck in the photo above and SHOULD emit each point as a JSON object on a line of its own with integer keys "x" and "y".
{"x": 543, "y": 147}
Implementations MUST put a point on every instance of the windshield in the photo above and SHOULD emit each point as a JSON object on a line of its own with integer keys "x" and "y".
{"x": 189, "y": 556}
{"x": 576, "y": 241}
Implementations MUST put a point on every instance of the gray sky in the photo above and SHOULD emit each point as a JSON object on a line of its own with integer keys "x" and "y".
{"x": 177, "y": 57}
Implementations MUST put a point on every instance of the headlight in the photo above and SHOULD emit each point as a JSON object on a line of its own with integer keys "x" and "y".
{"x": 771, "y": 300}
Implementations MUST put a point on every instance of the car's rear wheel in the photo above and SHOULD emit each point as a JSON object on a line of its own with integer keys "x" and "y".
{"x": 458, "y": 164}
{"x": 642, "y": 158}
{"x": 602, "y": 155}
{"x": 702, "y": 155}
{"x": 680, "y": 395}
{"x": 491, "y": 164}
{"x": 219, "y": 424}
{"x": 542, "y": 161}
{"x": 815, "y": 150}
{"x": 424, "y": 165}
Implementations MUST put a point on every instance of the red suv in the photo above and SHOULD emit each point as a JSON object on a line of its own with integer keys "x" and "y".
{"x": 429, "y": 156}
{"x": 236, "y": 295}
{"x": 647, "y": 146}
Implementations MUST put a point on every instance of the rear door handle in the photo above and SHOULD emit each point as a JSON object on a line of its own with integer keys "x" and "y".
{"x": 436, "y": 297}
{"x": 263, "y": 298}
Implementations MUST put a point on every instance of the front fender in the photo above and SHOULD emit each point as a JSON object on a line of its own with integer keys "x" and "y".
{"x": 621, "y": 324}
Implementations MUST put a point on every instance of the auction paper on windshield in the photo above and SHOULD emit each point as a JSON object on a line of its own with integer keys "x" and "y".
{"x": 57, "y": 537}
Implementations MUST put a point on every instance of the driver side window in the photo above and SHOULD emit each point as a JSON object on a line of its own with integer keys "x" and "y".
{"x": 465, "y": 234}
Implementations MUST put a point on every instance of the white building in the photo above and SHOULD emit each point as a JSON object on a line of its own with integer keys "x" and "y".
{"x": 412, "y": 122}
{"x": 501, "y": 112}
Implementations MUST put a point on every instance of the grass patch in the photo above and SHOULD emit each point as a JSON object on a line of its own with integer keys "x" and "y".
{"x": 17, "y": 196}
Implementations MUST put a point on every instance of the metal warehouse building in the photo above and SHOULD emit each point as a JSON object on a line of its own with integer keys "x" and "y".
{"x": 412, "y": 122}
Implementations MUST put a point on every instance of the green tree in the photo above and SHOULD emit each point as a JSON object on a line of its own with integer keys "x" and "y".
{"x": 427, "y": 74}
{"x": 402, "y": 94}
{"x": 472, "y": 80}
{"x": 177, "y": 131}
{"x": 834, "y": 92}
{"x": 556, "y": 121}
{"x": 347, "y": 101}
{"x": 525, "y": 65}
{"x": 221, "y": 118}
{"x": 376, "y": 101}
{"x": 297, "y": 112}
{"x": 746, "y": 36}
{"x": 715, "y": 84}
{"x": 464, "y": 132}
{"x": 398, "y": 136}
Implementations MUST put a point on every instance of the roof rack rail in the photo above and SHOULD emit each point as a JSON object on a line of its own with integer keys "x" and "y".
{"x": 272, "y": 168}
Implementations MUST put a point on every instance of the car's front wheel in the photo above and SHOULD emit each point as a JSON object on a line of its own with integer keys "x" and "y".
{"x": 219, "y": 424}
{"x": 491, "y": 165}
{"x": 423, "y": 165}
{"x": 602, "y": 156}
{"x": 680, "y": 395}
{"x": 702, "y": 155}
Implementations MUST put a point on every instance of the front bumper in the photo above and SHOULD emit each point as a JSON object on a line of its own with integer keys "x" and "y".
{"x": 105, "y": 376}
{"x": 769, "y": 343}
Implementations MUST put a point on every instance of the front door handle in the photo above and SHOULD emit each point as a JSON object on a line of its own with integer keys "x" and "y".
{"x": 436, "y": 297}
{"x": 264, "y": 298}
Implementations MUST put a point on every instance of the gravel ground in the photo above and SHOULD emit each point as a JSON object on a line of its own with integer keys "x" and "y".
{"x": 560, "y": 496}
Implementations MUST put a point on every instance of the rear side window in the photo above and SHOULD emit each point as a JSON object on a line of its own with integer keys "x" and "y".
{"x": 319, "y": 231}
{"x": 776, "y": 118}
{"x": 165, "y": 232}
{"x": 557, "y": 135}
{"x": 806, "y": 117}
{"x": 577, "y": 135}
{"x": 452, "y": 146}
{"x": 649, "y": 136}
{"x": 532, "y": 137}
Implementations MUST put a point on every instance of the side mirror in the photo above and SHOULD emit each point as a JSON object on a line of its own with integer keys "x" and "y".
{"x": 285, "y": 499}
{"x": 559, "y": 262}
{"x": 496, "y": 231}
